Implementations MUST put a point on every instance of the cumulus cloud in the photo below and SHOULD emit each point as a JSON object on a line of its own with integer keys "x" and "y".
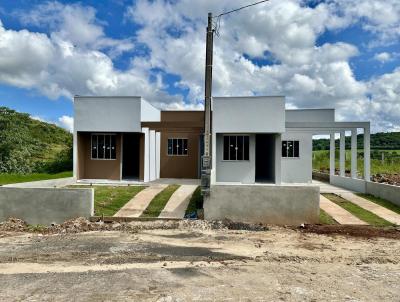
{"x": 66, "y": 122}
{"x": 76, "y": 57}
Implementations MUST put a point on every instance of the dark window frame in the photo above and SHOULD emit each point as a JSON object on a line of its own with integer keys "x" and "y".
{"x": 178, "y": 145}
{"x": 230, "y": 152}
{"x": 109, "y": 145}
{"x": 290, "y": 148}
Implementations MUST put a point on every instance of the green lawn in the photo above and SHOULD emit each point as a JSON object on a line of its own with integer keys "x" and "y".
{"x": 109, "y": 199}
{"x": 382, "y": 202}
{"x": 159, "y": 201}
{"x": 357, "y": 211}
{"x": 196, "y": 202}
{"x": 325, "y": 218}
{"x": 6, "y": 178}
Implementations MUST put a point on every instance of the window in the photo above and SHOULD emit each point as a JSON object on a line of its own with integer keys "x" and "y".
{"x": 290, "y": 149}
{"x": 236, "y": 147}
{"x": 177, "y": 146}
{"x": 104, "y": 146}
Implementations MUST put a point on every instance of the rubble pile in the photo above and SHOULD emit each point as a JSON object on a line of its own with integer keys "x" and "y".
{"x": 14, "y": 225}
{"x": 391, "y": 179}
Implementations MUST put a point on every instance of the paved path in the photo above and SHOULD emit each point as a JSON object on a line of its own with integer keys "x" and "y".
{"x": 328, "y": 188}
{"x": 383, "y": 212}
{"x": 139, "y": 203}
{"x": 178, "y": 203}
{"x": 338, "y": 213}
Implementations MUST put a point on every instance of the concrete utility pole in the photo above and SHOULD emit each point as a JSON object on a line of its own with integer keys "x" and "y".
{"x": 206, "y": 158}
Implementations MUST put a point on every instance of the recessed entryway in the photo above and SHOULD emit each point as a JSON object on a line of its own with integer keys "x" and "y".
{"x": 130, "y": 155}
{"x": 265, "y": 158}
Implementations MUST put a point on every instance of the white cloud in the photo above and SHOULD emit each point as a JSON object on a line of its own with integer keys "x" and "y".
{"x": 383, "y": 57}
{"x": 67, "y": 122}
{"x": 76, "y": 57}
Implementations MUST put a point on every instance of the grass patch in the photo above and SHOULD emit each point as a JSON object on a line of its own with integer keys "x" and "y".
{"x": 108, "y": 200}
{"x": 382, "y": 202}
{"x": 159, "y": 201}
{"x": 325, "y": 218}
{"x": 6, "y": 178}
{"x": 196, "y": 202}
{"x": 357, "y": 211}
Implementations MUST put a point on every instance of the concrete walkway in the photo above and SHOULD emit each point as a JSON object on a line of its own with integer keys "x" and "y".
{"x": 338, "y": 213}
{"x": 178, "y": 203}
{"x": 382, "y": 212}
{"x": 139, "y": 203}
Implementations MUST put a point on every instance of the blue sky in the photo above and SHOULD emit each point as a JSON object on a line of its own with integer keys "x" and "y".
{"x": 316, "y": 53}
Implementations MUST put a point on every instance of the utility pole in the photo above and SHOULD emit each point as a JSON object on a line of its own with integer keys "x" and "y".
{"x": 206, "y": 158}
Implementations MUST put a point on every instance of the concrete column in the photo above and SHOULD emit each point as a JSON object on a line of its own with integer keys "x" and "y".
{"x": 153, "y": 160}
{"x": 278, "y": 159}
{"x": 354, "y": 153}
{"x": 146, "y": 164}
{"x": 342, "y": 158}
{"x": 75, "y": 155}
{"x": 158, "y": 154}
{"x": 367, "y": 154}
{"x": 213, "y": 175}
{"x": 332, "y": 155}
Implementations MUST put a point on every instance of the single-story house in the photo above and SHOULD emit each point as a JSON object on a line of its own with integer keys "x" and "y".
{"x": 254, "y": 140}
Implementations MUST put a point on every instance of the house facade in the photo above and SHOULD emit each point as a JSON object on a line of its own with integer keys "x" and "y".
{"x": 254, "y": 140}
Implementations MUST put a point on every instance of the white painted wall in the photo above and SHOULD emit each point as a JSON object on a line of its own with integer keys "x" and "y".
{"x": 111, "y": 114}
{"x": 298, "y": 170}
{"x": 148, "y": 112}
{"x": 158, "y": 154}
{"x": 248, "y": 115}
{"x": 152, "y": 155}
{"x": 310, "y": 115}
{"x": 235, "y": 171}
{"x": 146, "y": 172}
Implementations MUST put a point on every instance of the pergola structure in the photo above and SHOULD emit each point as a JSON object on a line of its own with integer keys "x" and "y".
{"x": 331, "y": 128}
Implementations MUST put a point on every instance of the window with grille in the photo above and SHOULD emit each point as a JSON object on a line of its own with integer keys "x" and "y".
{"x": 290, "y": 149}
{"x": 104, "y": 146}
{"x": 177, "y": 146}
{"x": 236, "y": 147}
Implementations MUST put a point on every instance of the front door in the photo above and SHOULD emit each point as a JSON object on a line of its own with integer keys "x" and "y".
{"x": 130, "y": 155}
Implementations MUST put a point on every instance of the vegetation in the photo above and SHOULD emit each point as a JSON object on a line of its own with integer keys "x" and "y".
{"x": 32, "y": 146}
{"x": 389, "y": 164}
{"x": 325, "y": 218}
{"x": 382, "y": 202}
{"x": 159, "y": 201}
{"x": 382, "y": 141}
{"x": 357, "y": 211}
{"x": 109, "y": 199}
{"x": 195, "y": 203}
{"x": 8, "y": 178}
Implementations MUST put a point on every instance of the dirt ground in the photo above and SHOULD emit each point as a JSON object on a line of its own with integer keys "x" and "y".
{"x": 196, "y": 261}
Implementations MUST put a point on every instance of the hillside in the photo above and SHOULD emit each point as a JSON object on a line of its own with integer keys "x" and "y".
{"x": 379, "y": 141}
{"x": 28, "y": 145}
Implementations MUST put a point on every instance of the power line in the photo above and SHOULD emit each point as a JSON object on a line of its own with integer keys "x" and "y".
{"x": 235, "y": 10}
{"x": 217, "y": 23}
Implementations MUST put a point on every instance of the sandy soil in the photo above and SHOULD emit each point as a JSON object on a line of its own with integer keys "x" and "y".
{"x": 197, "y": 263}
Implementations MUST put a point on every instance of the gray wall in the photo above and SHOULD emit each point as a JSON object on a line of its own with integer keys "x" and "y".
{"x": 248, "y": 114}
{"x": 108, "y": 114}
{"x": 388, "y": 192}
{"x": 283, "y": 205}
{"x": 310, "y": 115}
{"x": 298, "y": 170}
{"x": 235, "y": 171}
{"x": 45, "y": 205}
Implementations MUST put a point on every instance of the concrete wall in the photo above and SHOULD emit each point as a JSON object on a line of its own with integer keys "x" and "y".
{"x": 149, "y": 113}
{"x": 45, "y": 205}
{"x": 283, "y": 205}
{"x": 108, "y": 114}
{"x": 49, "y": 183}
{"x": 248, "y": 115}
{"x": 357, "y": 185}
{"x": 388, "y": 192}
{"x": 235, "y": 171}
{"x": 310, "y": 115}
{"x": 298, "y": 170}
